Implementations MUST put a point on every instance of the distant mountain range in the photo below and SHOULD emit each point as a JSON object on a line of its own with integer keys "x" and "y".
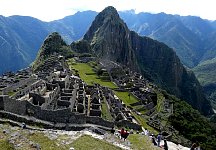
{"x": 193, "y": 38}
{"x": 109, "y": 38}
{"x": 21, "y": 36}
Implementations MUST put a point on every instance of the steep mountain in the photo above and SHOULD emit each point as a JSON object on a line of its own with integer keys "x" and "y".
{"x": 205, "y": 73}
{"x": 54, "y": 43}
{"x": 110, "y": 38}
{"x": 19, "y": 41}
{"x": 21, "y": 36}
{"x": 73, "y": 27}
{"x": 192, "y": 38}
{"x": 187, "y": 35}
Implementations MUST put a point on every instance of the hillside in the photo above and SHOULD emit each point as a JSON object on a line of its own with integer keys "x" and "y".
{"x": 205, "y": 73}
{"x": 191, "y": 37}
{"x": 109, "y": 38}
{"x": 21, "y": 36}
{"x": 19, "y": 41}
{"x": 53, "y": 44}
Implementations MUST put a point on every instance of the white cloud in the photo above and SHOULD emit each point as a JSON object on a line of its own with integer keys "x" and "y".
{"x": 56, "y": 9}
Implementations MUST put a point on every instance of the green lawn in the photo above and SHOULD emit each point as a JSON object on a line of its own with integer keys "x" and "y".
{"x": 142, "y": 121}
{"x": 125, "y": 98}
{"x": 86, "y": 142}
{"x": 160, "y": 101}
{"x": 46, "y": 143}
{"x": 141, "y": 142}
{"x": 105, "y": 112}
{"x": 89, "y": 76}
{"x": 5, "y": 145}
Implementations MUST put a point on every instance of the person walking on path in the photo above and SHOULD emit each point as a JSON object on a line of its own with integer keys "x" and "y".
{"x": 165, "y": 145}
{"x": 159, "y": 139}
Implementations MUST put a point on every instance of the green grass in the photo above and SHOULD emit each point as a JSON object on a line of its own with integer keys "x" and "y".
{"x": 5, "y": 145}
{"x": 11, "y": 93}
{"x": 160, "y": 100}
{"x": 105, "y": 112}
{"x": 140, "y": 109}
{"x": 89, "y": 76}
{"x": 86, "y": 142}
{"x": 142, "y": 121}
{"x": 205, "y": 72}
{"x": 141, "y": 142}
{"x": 46, "y": 143}
{"x": 125, "y": 98}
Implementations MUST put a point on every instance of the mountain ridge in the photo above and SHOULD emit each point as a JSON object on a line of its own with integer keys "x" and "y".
{"x": 112, "y": 39}
{"x": 189, "y": 47}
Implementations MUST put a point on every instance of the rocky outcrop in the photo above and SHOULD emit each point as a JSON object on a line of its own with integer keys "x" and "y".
{"x": 109, "y": 38}
{"x": 52, "y": 44}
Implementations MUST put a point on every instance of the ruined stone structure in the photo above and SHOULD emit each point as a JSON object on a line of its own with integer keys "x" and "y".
{"x": 54, "y": 95}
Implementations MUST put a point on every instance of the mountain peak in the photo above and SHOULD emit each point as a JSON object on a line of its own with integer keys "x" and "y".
{"x": 110, "y": 39}
{"x": 110, "y": 10}
{"x": 51, "y": 45}
{"x": 105, "y": 19}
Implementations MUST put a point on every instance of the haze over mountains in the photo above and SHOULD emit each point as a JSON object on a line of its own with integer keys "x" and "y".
{"x": 192, "y": 38}
{"x": 110, "y": 39}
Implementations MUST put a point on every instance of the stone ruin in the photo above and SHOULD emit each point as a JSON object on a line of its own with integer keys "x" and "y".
{"x": 56, "y": 98}
{"x": 54, "y": 95}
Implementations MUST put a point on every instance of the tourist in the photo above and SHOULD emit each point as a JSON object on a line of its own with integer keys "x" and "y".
{"x": 197, "y": 146}
{"x": 165, "y": 145}
{"x": 112, "y": 130}
{"x": 159, "y": 139}
{"x": 153, "y": 140}
{"x": 125, "y": 134}
{"x": 122, "y": 133}
{"x": 23, "y": 125}
{"x": 194, "y": 145}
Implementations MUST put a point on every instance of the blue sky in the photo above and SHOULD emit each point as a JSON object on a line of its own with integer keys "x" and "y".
{"x": 48, "y": 10}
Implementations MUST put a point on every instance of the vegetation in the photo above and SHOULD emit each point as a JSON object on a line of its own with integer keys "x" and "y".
{"x": 11, "y": 93}
{"x": 53, "y": 44}
{"x": 87, "y": 142}
{"x": 105, "y": 112}
{"x": 126, "y": 97}
{"x": 87, "y": 74}
{"x": 5, "y": 145}
{"x": 189, "y": 122}
{"x": 142, "y": 121}
{"x": 160, "y": 99}
{"x": 141, "y": 142}
{"x": 46, "y": 143}
{"x": 192, "y": 125}
{"x": 205, "y": 72}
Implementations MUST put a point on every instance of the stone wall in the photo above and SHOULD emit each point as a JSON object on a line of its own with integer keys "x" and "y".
{"x": 14, "y": 106}
{"x": 2, "y": 97}
{"x": 99, "y": 121}
{"x": 60, "y": 115}
{"x": 37, "y": 99}
{"x": 128, "y": 124}
{"x": 18, "y": 84}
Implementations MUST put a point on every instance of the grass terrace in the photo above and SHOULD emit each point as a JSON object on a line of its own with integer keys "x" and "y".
{"x": 88, "y": 75}
{"x": 87, "y": 142}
